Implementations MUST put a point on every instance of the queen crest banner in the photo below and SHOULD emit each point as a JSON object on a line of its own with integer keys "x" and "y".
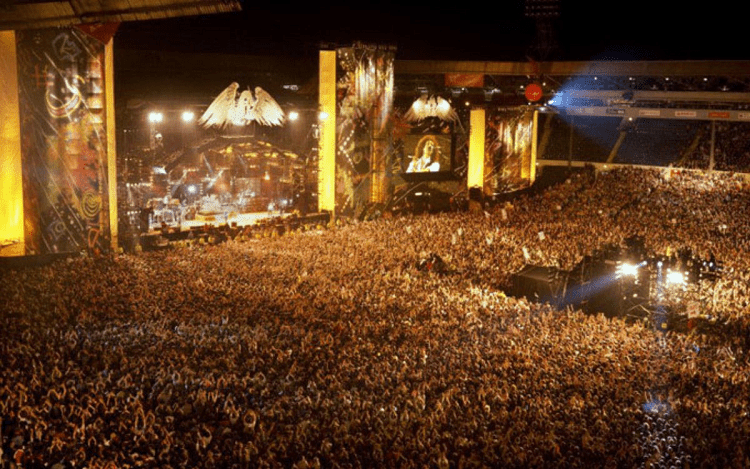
{"x": 63, "y": 143}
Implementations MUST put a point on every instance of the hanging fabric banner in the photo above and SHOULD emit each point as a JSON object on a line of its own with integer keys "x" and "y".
{"x": 63, "y": 143}
{"x": 364, "y": 118}
{"x": 102, "y": 32}
{"x": 464, "y": 80}
{"x": 509, "y": 149}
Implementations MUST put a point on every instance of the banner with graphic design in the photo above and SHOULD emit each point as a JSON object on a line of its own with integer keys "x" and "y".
{"x": 364, "y": 119}
{"x": 63, "y": 147}
{"x": 508, "y": 140}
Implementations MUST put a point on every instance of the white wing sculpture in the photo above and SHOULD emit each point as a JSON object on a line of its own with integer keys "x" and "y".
{"x": 433, "y": 106}
{"x": 227, "y": 109}
{"x": 220, "y": 109}
{"x": 265, "y": 109}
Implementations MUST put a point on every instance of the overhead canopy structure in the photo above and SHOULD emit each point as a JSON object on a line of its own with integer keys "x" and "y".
{"x": 26, "y": 14}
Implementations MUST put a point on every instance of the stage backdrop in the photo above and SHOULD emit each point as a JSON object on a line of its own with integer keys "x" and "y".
{"x": 363, "y": 126}
{"x": 63, "y": 141}
{"x": 508, "y": 149}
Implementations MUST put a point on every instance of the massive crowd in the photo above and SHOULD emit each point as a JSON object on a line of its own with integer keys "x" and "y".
{"x": 332, "y": 349}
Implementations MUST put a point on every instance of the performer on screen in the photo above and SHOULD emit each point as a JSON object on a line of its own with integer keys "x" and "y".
{"x": 426, "y": 156}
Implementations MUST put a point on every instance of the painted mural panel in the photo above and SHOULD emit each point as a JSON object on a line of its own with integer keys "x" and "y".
{"x": 61, "y": 99}
{"x": 364, "y": 119}
{"x": 508, "y": 149}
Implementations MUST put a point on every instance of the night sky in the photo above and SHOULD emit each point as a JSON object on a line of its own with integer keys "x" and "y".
{"x": 497, "y": 31}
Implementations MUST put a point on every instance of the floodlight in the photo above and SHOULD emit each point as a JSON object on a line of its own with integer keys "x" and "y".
{"x": 627, "y": 269}
{"x": 676, "y": 278}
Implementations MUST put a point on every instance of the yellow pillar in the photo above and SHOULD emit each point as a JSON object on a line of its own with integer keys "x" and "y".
{"x": 327, "y": 143}
{"x": 11, "y": 180}
{"x": 475, "y": 175}
{"x": 534, "y": 134}
{"x": 109, "y": 99}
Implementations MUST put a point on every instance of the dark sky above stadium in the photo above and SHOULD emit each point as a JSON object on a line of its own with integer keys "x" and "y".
{"x": 496, "y": 31}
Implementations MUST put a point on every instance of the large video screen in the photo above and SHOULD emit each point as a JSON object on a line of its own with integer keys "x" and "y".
{"x": 426, "y": 154}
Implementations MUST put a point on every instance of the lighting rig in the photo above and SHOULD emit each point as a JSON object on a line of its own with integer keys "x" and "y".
{"x": 624, "y": 281}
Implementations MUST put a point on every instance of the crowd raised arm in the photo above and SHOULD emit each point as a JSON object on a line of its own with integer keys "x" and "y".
{"x": 331, "y": 349}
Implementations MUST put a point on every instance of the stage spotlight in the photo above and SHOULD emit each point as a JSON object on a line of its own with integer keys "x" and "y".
{"x": 188, "y": 116}
{"x": 627, "y": 270}
{"x": 293, "y": 115}
{"x": 322, "y": 115}
{"x": 675, "y": 278}
{"x": 555, "y": 101}
{"x": 155, "y": 117}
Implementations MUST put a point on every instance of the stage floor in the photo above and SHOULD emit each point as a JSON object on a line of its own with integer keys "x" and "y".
{"x": 220, "y": 219}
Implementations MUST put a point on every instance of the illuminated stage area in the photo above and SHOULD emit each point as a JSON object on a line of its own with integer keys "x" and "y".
{"x": 340, "y": 347}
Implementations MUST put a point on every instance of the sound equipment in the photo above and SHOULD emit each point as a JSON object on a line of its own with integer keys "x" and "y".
{"x": 540, "y": 283}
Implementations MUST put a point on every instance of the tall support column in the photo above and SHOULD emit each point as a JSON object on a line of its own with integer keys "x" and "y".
{"x": 327, "y": 143}
{"x": 570, "y": 142}
{"x": 531, "y": 171}
{"x": 712, "y": 157}
{"x": 11, "y": 180}
{"x": 616, "y": 147}
{"x": 109, "y": 99}
{"x": 475, "y": 174}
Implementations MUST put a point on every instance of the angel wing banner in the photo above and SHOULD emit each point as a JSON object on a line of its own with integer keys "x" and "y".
{"x": 233, "y": 108}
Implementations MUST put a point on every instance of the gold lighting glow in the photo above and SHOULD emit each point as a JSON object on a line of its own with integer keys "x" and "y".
{"x": 327, "y": 144}
{"x": 475, "y": 175}
{"x": 11, "y": 182}
{"x": 109, "y": 98}
{"x": 534, "y": 134}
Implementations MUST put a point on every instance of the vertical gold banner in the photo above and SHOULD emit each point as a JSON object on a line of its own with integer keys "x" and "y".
{"x": 327, "y": 144}
{"x": 534, "y": 135}
{"x": 109, "y": 99}
{"x": 11, "y": 181}
{"x": 475, "y": 175}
